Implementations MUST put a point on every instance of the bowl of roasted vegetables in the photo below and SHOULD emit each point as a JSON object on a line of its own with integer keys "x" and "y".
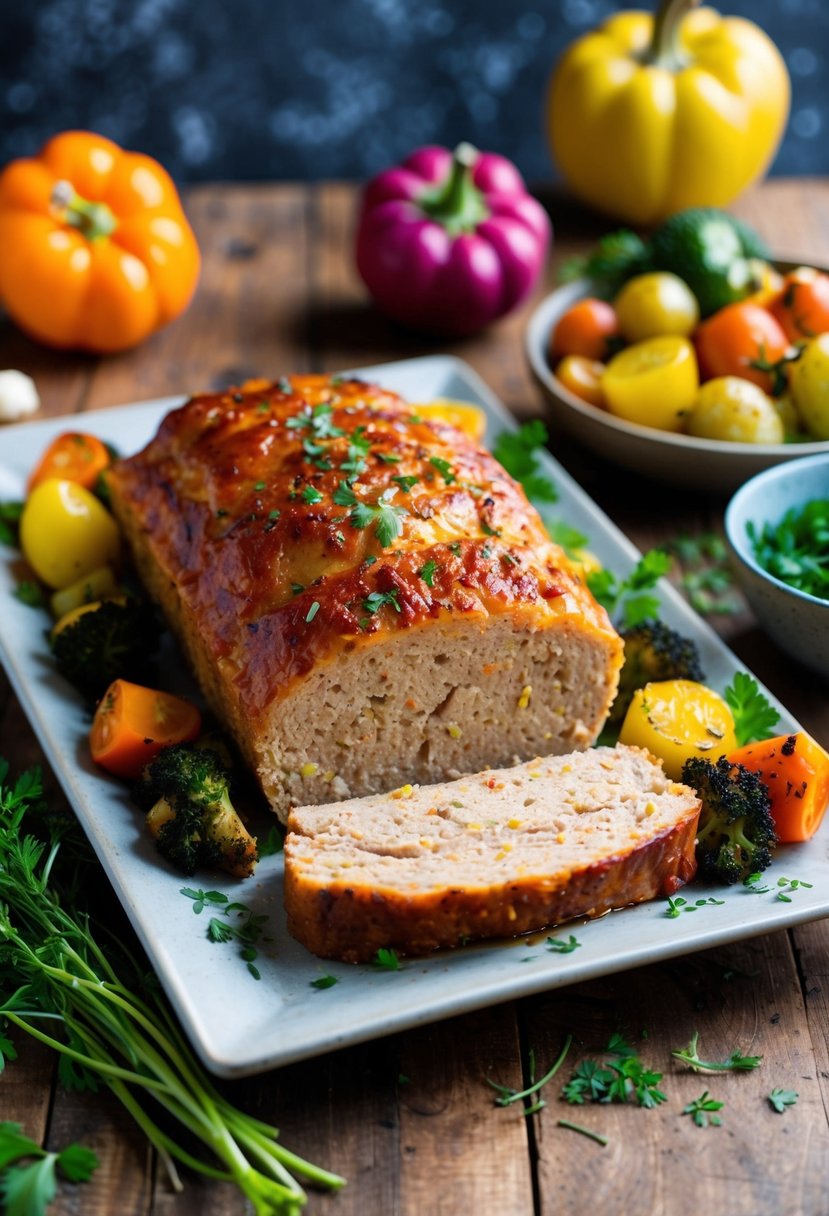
{"x": 777, "y": 526}
{"x": 692, "y": 356}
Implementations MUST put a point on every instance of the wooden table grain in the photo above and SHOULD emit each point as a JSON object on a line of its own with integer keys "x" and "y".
{"x": 408, "y": 1119}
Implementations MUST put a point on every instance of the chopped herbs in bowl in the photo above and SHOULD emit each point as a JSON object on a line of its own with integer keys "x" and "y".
{"x": 777, "y": 527}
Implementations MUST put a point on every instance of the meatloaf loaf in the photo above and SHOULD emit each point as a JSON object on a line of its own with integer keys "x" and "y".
{"x": 367, "y": 597}
{"x": 498, "y": 853}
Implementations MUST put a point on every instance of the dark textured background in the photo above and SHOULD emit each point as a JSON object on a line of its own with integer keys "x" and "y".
{"x": 331, "y": 88}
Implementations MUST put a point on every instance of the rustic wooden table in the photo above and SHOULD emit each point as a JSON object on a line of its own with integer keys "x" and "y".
{"x": 278, "y": 294}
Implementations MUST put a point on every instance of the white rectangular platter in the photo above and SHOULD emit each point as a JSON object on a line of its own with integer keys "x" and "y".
{"x": 240, "y": 1025}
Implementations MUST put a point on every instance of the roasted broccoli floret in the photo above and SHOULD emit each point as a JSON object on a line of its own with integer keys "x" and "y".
{"x": 735, "y": 836}
{"x": 653, "y": 652}
{"x": 184, "y": 790}
{"x": 111, "y": 641}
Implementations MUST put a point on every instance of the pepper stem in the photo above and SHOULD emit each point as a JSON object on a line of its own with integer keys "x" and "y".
{"x": 93, "y": 220}
{"x": 664, "y": 50}
{"x": 457, "y": 203}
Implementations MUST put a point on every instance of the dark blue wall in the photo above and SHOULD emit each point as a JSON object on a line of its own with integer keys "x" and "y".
{"x": 330, "y": 88}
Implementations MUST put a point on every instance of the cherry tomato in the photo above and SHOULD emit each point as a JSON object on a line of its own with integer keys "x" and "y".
{"x": 741, "y": 340}
{"x": 658, "y": 303}
{"x": 584, "y": 330}
{"x": 132, "y": 724}
{"x": 736, "y": 410}
{"x": 802, "y": 307}
{"x": 583, "y": 377}
{"x": 809, "y": 379}
{"x": 73, "y": 456}
{"x": 653, "y": 383}
{"x": 678, "y": 719}
{"x": 65, "y": 532}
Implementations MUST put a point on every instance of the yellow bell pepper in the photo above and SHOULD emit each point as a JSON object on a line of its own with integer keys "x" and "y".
{"x": 650, "y": 115}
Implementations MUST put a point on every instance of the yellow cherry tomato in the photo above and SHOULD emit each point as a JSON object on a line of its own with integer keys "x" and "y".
{"x": 467, "y": 418}
{"x": 735, "y": 410}
{"x": 97, "y": 585}
{"x": 653, "y": 383}
{"x": 583, "y": 378}
{"x": 809, "y": 381}
{"x": 653, "y": 304}
{"x": 65, "y": 532}
{"x": 678, "y": 719}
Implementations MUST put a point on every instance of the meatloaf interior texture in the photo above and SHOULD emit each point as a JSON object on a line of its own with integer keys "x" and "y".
{"x": 494, "y": 854}
{"x": 367, "y": 597}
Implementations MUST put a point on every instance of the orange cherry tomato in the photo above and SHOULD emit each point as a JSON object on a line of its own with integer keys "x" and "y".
{"x": 97, "y": 252}
{"x": 583, "y": 377}
{"x": 796, "y": 771}
{"x": 802, "y": 307}
{"x": 736, "y": 339}
{"x": 584, "y": 330}
{"x": 132, "y": 724}
{"x": 72, "y": 456}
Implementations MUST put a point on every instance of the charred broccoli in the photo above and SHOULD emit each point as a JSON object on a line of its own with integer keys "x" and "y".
{"x": 104, "y": 643}
{"x": 653, "y": 652}
{"x": 184, "y": 790}
{"x": 735, "y": 836}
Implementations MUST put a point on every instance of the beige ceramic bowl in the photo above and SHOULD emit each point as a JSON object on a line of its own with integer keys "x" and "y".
{"x": 708, "y": 465}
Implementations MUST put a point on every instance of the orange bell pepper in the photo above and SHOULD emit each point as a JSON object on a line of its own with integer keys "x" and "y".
{"x": 97, "y": 252}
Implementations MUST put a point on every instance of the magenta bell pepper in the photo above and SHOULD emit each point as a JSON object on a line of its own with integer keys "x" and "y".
{"x": 447, "y": 243}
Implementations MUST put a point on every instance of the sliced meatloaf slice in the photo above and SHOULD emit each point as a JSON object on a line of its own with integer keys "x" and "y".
{"x": 495, "y": 854}
{"x": 367, "y": 597}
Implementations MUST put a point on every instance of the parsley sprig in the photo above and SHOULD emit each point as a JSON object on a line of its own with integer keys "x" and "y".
{"x": 246, "y": 929}
{"x": 517, "y": 452}
{"x": 703, "y": 1110}
{"x": 317, "y": 420}
{"x": 780, "y": 1099}
{"x": 28, "y": 1189}
{"x": 624, "y": 1078}
{"x": 386, "y": 517}
{"x": 736, "y": 1062}
{"x": 627, "y": 597}
{"x": 754, "y": 716}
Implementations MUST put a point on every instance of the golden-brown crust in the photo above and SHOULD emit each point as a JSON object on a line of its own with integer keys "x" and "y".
{"x": 352, "y": 923}
{"x": 255, "y": 517}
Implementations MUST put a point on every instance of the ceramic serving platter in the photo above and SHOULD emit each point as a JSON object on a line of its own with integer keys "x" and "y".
{"x": 240, "y": 1025}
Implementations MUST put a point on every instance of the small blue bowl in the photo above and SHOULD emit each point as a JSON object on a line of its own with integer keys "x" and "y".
{"x": 798, "y": 622}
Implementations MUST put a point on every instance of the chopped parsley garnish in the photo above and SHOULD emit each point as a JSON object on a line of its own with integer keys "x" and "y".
{"x": 517, "y": 452}
{"x": 260, "y": 485}
{"x": 275, "y": 513}
{"x": 297, "y": 588}
{"x": 387, "y": 457}
{"x": 444, "y": 468}
{"x": 427, "y": 572}
{"x": 316, "y": 454}
{"x": 29, "y": 1189}
{"x": 780, "y": 1099}
{"x": 455, "y": 548}
{"x": 284, "y": 385}
{"x": 247, "y": 934}
{"x": 703, "y": 1110}
{"x": 405, "y": 483}
{"x": 317, "y": 420}
{"x": 627, "y": 593}
{"x": 311, "y": 494}
{"x": 358, "y": 448}
{"x": 487, "y": 531}
{"x": 387, "y": 518}
{"x": 559, "y": 946}
{"x": 386, "y": 960}
{"x": 375, "y": 601}
{"x": 796, "y": 550}
{"x": 754, "y": 717}
{"x": 324, "y": 981}
{"x": 312, "y": 612}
